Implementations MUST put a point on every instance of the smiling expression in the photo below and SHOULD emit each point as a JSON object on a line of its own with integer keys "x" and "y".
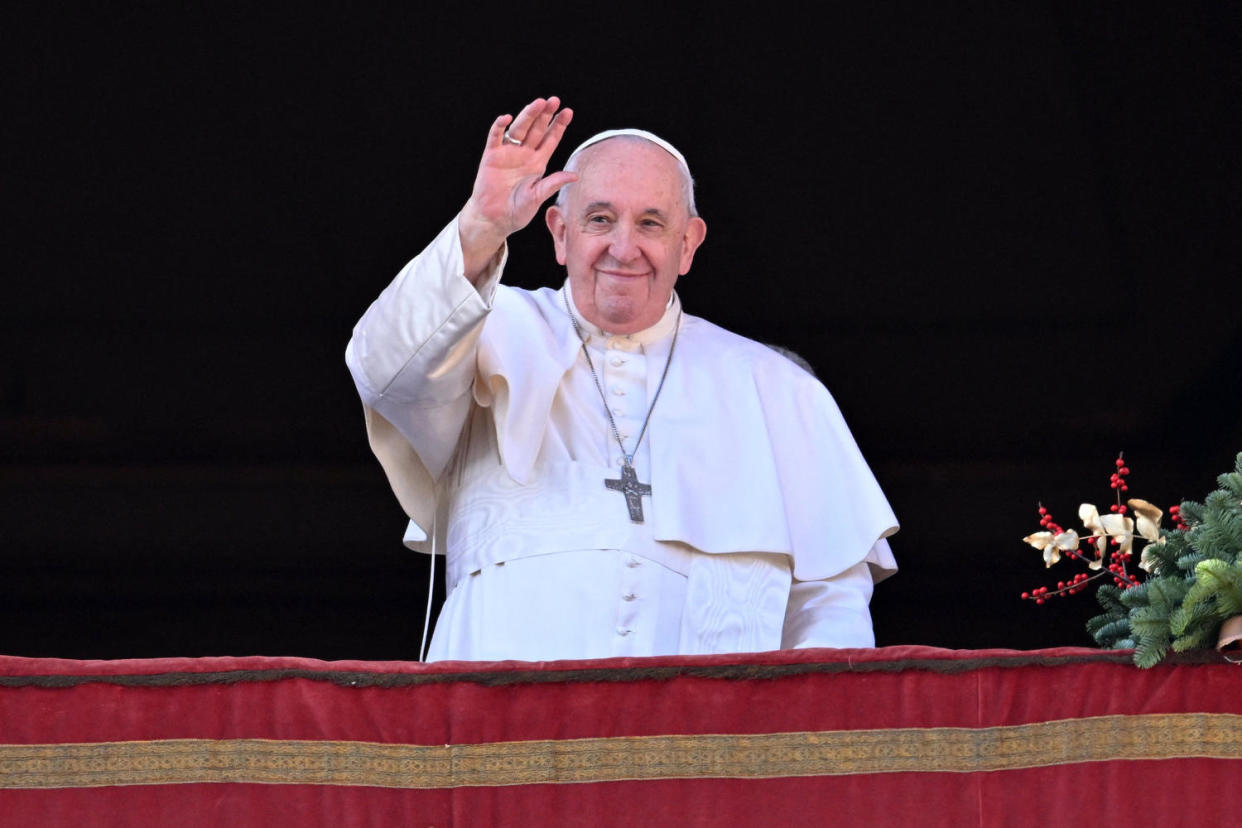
{"x": 625, "y": 233}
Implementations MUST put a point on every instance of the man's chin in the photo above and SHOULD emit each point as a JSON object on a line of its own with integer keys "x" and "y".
{"x": 616, "y": 314}
{"x": 618, "y": 323}
{"x": 619, "y": 306}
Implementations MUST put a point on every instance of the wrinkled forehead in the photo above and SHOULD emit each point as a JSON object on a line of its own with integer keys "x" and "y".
{"x": 629, "y": 166}
{"x": 628, "y": 156}
{"x": 631, "y": 133}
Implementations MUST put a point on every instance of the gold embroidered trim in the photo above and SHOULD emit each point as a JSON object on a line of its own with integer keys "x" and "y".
{"x": 755, "y": 756}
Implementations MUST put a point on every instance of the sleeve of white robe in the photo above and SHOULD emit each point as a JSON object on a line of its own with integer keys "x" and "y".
{"x": 833, "y": 612}
{"x": 413, "y": 359}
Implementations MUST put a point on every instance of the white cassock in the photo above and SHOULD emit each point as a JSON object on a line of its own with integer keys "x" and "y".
{"x": 765, "y": 527}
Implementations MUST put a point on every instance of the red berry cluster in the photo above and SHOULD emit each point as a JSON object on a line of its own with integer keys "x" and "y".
{"x": 1175, "y": 515}
{"x": 1064, "y": 588}
{"x": 1046, "y": 521}
{"x": 1118, "y": 560}
{"x": 1117, "y": 568}
{"x": 1041, "y": 594}
{"x": 1118, "y": 482}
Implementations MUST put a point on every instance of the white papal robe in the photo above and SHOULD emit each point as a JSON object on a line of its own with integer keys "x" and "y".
{"x": 765, "y": 527}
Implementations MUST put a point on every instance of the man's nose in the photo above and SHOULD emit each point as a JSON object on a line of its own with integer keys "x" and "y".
{"x": 624, "y": 247}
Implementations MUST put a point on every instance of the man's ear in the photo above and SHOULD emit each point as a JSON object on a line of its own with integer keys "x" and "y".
{"x": 557, "y": 227}
{"x": 696, "y": 231}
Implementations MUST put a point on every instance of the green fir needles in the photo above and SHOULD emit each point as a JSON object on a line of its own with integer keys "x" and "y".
{"x": 1193, "y": 583}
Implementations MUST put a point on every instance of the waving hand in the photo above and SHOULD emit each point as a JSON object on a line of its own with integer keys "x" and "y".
{"x": 511, "y": 185}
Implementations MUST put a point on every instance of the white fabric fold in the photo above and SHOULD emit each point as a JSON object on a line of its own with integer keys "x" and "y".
{"x": 478, "y": 404}
{"x": 782, "y": 473}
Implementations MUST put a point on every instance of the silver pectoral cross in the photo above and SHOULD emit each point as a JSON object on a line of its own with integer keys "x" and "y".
{"x": 633, "y": 490}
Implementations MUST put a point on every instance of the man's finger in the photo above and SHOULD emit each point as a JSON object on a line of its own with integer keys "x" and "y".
{"x": 556, "y": 130}
{"x": 540, "y": 120}
{"x": 547, "y": 187}
{"x": 525, "y": 120}
{"x": 496, "y": 135}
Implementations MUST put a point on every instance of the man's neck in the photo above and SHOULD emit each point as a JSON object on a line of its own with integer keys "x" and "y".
{"x": 662, "y": 328}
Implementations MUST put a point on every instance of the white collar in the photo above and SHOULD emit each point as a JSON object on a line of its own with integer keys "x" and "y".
{"x": 662, "y": 328}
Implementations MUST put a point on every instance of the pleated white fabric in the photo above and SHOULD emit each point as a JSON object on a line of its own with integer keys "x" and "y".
{"x": 766, "y": 513}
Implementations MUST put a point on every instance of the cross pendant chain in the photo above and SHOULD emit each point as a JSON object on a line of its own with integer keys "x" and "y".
{"x": 628, "y": 483}
{"x": 629, "y": 486}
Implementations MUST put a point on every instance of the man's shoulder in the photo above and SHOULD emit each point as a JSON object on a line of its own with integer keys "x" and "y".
{"x": 729, "y": 346}
{"x": 538, "y": 304}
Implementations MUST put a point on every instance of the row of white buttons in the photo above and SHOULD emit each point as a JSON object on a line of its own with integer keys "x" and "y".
{"x": 618, "y": 355}
{"x": 631, "y": 563}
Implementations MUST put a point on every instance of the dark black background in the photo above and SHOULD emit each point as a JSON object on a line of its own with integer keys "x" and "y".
{"x": 1006, "y": 236}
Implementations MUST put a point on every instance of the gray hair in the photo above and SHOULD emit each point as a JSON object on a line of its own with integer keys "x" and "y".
{"x": 633, "y": 135}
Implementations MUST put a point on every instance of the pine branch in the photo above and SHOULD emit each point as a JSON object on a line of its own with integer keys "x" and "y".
{"x": 1109, "y": 597}
{"x": 1232, "y": 481}
{"x": 1199, "y": 639}
{"x": 1192, "y": 512}
{"x": 1150, "y": 623}
{"x": 1217, "y": 587}
{"x": 1186, "y": 563}
{"x": 1112, "y": 633}
{"x": 1220, "y": 533}
{"x": 1194, "y": 577}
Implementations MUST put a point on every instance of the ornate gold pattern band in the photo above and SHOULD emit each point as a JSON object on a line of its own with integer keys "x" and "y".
{"x": 756, "y": 756}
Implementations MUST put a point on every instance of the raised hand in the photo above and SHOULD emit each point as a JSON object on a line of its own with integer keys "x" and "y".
{"x": 510, "y": 185}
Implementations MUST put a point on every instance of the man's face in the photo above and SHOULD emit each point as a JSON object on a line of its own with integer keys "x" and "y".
{"x": 625, "y": 234}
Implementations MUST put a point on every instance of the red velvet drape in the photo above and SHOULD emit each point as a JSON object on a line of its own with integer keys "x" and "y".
{"x": 893, "y": 736}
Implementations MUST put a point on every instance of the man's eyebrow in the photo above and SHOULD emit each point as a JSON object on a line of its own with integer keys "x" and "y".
{"x": 607, "y": 205}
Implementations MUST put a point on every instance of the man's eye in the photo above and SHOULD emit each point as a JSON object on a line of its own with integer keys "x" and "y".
{"x": 597, "y": 219}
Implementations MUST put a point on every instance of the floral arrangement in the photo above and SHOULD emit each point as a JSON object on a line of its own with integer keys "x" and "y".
{"x": 1187, "y": 583}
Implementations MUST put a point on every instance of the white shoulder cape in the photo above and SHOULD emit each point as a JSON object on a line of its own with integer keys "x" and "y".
{"x": 780, "y": 472}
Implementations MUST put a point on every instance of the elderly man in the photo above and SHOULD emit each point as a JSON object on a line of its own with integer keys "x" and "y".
{"x": 607, "y": 475}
